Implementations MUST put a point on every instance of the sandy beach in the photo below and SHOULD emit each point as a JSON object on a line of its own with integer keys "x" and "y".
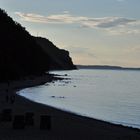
{"x": 61, "y": 125}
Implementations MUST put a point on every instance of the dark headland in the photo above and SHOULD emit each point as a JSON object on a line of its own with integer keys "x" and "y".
{"x": 24, "y": 62}
{"x": 22, "y": 55}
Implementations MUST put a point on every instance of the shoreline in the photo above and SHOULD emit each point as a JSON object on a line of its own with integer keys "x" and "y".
{"x": 80, "y": 115}
{"x": 64, "y": 125}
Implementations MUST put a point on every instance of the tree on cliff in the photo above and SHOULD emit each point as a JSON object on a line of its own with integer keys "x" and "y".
{"x": 20, "y": 55}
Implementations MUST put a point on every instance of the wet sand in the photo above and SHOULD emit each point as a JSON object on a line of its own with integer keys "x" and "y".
{"x": 63, "y": 125}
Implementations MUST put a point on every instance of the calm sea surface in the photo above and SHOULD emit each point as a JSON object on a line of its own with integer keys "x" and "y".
{"x": 110, "y": 95}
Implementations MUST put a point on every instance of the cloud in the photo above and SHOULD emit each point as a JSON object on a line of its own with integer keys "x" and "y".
{"x": 52, "y": 19}
{"x": 66, "y": 12}
{"x": 132, "y": 50}
{"x": 123, "y": 31}
{"x": 104, "y": 23}
{"x": 108, "y": 22}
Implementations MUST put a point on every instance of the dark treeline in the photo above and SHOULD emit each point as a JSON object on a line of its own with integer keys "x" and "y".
{"x": 20, "y": 54}
{"x": 60, "y": 59}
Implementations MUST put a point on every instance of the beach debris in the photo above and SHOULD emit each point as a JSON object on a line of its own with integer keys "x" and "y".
{"x": 29, "y": 120}
{"x": 45, "y": 122}
{"x": 6, "y": 115}
{"x": 19, "y": 122}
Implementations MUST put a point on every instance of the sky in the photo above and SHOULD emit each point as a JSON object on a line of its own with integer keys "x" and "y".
{"x": 95, "y": 32}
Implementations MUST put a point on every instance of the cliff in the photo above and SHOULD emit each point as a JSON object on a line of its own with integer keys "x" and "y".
{"x": 59, "y": 58}
{"x": 20, "y": 55}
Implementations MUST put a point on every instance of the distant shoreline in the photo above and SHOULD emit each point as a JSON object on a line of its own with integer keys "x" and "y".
{"x": 106, "y": 67}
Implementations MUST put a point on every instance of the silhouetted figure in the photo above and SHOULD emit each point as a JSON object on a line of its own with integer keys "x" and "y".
{"x": 6, "y": 115}
{"x": 29, "y": 120}
{"x": 45, "y": 122}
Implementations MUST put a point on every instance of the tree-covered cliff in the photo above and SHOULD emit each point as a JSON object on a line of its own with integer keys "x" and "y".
{"x": 59, "y": 58}
{"x": 20, "y": 55}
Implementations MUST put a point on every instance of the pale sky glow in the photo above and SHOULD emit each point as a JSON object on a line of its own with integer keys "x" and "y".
{"x": 104, "y": 32}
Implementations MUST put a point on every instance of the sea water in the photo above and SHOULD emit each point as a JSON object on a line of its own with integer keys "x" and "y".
{"x": 109, "y": 95}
